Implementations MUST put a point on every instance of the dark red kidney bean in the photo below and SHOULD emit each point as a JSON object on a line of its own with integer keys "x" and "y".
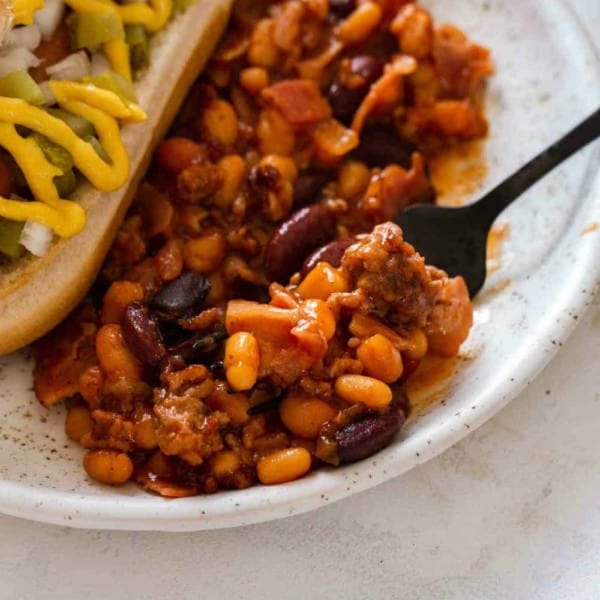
{"x": 380, "y": 146}
{"x": 330, "y": 253}
{"x": 368, "y": 67}
{"x": 141, "y": 333}
{"x": 182, "y": 297}
{"x": 307, "y": 229}
{"x": 370, "y": 434}
{"x": 344, "y": 100}
{"x": 308, "y": 186}
{"x": 342, "y": 8}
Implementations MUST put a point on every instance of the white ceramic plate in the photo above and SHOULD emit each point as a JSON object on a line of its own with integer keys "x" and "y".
{"x": 548, "y": 79}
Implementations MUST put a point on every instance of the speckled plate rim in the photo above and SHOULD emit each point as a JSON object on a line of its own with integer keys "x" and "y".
{"x": 260, "y": 504}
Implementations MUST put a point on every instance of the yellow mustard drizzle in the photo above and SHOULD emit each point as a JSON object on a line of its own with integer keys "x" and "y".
{"x": 117, "y": 53}
{"x": 102, "y": 108}
{"x": 99, "y": 106}
{"x": 23, "y": 10}
{"x": 64, "y": 217}
{"x": 153, "y": 17}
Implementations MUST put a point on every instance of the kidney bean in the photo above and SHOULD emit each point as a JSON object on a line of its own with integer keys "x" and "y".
{"x": 370, "y": 434}
{"x": 345, "y": 100}
{"x": 365, "y": 436}
{"x": 182, "y": 297}
{"x": 308, "y": 186}
{"x": 367, "y": 67}
{"x": 307, "y": 229}
{"x": 342, "y": 8}
{"x": 380, "y": 147}
{"x": 330, "y": 253}
{"x": 141, "y": 333}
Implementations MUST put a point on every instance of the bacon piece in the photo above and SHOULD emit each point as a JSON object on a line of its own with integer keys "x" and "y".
{"x": 393, "y": 189}
{"x": 63, "y": 355}
{"x": 299, "y": 101}
{"x": 462, "y": 66}
{"x": 386, "y": 92}
{"x": 451, "y": 318}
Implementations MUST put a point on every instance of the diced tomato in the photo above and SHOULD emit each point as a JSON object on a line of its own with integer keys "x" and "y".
{"x": 6, "y": 179}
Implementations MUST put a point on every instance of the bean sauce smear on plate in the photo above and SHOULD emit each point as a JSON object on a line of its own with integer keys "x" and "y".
{"x": 258, "y": 314}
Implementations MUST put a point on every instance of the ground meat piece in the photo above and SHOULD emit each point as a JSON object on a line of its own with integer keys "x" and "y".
{"x": 391, "y": 277}
{"x": 271, "y": 191}
{"x": 198, "y": 182}
{"x": 186, "y": 426}
{"x": 111, "y": 431}
{"x": 127, "y": 250}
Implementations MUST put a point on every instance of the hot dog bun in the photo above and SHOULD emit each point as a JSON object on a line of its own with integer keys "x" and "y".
{"x": 37, "y": 293}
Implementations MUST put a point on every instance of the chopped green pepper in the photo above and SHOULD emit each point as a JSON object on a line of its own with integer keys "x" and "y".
{"x": 66, "y": 183}
{"x": 10, "y": 236}
{"x": 100, "y": 151}
{"x": 90, "y": 30}
{"x": 54, "y": 153}
{"x": 82, "y": 127}
{"x": 20, "y": 84}
{"x": 136, "y": 37}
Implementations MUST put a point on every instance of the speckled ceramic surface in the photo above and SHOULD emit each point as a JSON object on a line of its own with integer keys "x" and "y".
{"x": 548, "y": 78}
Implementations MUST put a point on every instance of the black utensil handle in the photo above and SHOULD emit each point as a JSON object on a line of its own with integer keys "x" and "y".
{"x": 493, "y": 203}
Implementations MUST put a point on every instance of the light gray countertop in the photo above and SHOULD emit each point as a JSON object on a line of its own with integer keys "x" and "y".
{"x": 511, "y": 512}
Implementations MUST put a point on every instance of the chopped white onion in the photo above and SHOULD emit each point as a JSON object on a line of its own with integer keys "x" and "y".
{"x": 17, "y": 59}
{"x": 28, "y": 37}
{"x": 72, "y": 68}
{"x": 49, "y": 17}
{"x": 100, "y": 64}
{"x": 36, "y": 238}
{"x": 48, "y": 97}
